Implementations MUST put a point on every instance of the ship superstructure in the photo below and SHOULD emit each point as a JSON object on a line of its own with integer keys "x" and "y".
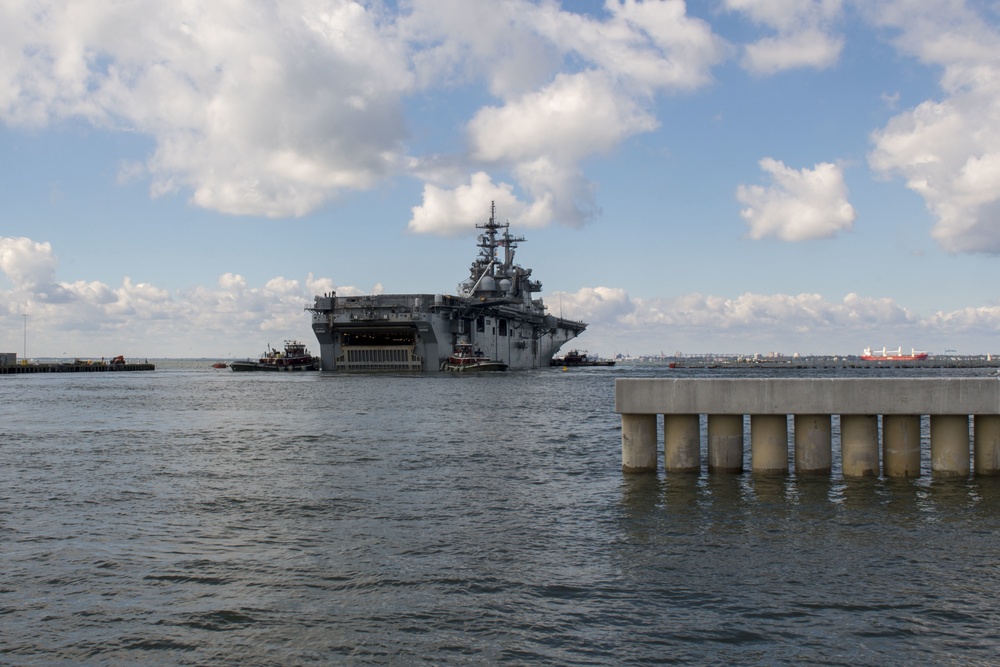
{"x": 495, "y": 311}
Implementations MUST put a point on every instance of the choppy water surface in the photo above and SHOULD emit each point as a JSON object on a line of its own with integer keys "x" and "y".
{"x": 191, "y": 517}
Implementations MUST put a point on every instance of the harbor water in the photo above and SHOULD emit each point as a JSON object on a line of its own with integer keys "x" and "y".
{"x": 190, "y": 516}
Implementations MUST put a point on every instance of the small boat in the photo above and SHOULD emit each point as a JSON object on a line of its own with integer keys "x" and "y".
{"x": 577, "y": 358}
{"x": 892, "y": 355}
{"x": 295, "y": 357}
{"x": 219, "y": 364}
{"x": 465, "y": 359}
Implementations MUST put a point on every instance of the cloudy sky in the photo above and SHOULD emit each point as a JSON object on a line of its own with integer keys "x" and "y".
{"x": 742, "y": 176}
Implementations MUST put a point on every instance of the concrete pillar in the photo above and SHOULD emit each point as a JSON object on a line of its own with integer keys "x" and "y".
{"x": 950, "y": 445}
{"x": 901, "y": 445}
{"x": 681, "y": 443}
{"x": 769, "y": 444}
{"x": 813, "y": 445}
{"x": 638, "y": 443}
{"x": 986, "y": 444}
{"x": 725, "y": 443}
{"x": 859, "y": 445}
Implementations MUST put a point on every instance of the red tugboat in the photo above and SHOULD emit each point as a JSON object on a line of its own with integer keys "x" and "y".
{"x": 294, "y": 358}
{"x": 892, "y": 355}
{"x": 465, "y": 359}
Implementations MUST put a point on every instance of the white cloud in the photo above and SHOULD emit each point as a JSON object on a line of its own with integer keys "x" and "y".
{"x": 264, "y": 109}
{"x": 453, "y": 211}
{"x": 27, "y": 263}
{"x": 646, "y": 46}
{"x": 85, "y": 318}
{"x": 808, "y": 48}
{"x": 804, "y": 34}
{"x": 542, "y": 136}
{"x": 948, "y": 151}
{"x": 547, "y": 121}
{"x": 749, "y": 323}
{"x": 799, "y": 205}
{"x": 255, "y": 108}
{"x": 576, "y": 115}
{"x": 234, "y": 318}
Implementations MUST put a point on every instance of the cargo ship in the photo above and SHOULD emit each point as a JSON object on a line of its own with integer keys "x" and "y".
{"x": 892, "y": 355}
{"x": 495, "y": 310}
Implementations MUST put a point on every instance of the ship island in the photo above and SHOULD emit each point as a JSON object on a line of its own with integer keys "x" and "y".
{"x": 494, "y": 311}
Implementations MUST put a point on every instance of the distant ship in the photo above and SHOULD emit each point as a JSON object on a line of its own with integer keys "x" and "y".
{"x": 494, "y": 310}
{"x": 577, "y": 358}
{"x": 892, "y": 355}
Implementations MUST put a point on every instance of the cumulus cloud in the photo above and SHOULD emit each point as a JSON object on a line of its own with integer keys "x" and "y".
{"x": 255, "y": 108}
{"x": 543, "y": 126}
{"x": 575, "y": 115}
{"x": 235, "y": 318}
{"x": 258, "y": 108}
{"x": 799, "y": 205}
{"x": 647, "y": 46}
{"x": 775, "y": 312}
{"x": 750, "y": 322}
{"x": 948, "y": 150}
{"x": 453, "y": 211}
{"x": 540, "y": 137}
{"x": 804, "y": 38}
{"x": 81, "y": 318}
{"x": 27, "y": 263}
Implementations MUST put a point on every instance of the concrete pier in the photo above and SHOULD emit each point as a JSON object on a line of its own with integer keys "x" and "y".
{"x": 639, "y": 443}
{"x": 813, "y": 445}
{"x": 681, "y": 443}
{"x": 950, "y": 446}
{"x": 859, "y": 445}
{"x": 725, "y": 443}
{"x": 986, "y": 444}
{"x": 957, "y": 409}
{"x": 769, "y": 444}
{"x": 901, "y": 445}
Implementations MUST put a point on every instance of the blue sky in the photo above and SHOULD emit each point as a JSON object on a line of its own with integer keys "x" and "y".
{"x": 742, "y": 176}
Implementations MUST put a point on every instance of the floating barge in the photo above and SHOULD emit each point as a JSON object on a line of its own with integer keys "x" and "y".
{"x": 75, "y": 367}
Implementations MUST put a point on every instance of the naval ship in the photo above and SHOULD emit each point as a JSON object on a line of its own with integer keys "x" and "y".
{"x": 494, "y": 311}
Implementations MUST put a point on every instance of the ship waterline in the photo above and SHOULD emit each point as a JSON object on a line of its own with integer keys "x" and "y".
{"x": 495, "y": 311}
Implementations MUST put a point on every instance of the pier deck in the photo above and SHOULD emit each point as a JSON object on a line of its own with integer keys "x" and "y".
{"x": 870, "y": 412}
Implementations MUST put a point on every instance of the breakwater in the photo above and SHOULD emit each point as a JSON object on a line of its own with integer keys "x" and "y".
{"x": 875, "y": 416}
{"x": 95, "y": 367}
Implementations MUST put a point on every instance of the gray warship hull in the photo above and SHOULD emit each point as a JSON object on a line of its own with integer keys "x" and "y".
{"x": 495, "y": 312}
{"x": 417, "y": 332}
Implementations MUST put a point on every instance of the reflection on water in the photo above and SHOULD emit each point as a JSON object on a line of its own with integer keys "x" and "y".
{"x": 858, "y": 571}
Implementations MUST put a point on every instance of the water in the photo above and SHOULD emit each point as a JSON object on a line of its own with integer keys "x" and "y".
{"x": 193, "y": 517}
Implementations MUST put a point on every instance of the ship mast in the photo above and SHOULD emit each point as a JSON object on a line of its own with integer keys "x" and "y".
{"x": 489, "y": 244}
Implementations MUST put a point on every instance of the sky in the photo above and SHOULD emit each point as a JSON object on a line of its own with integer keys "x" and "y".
{"x": 179, "y": 179}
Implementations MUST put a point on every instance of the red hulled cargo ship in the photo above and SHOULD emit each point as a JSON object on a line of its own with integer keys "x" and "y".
{"x": 892, "y": 355}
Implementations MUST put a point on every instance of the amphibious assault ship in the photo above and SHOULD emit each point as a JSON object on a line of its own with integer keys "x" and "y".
{"x": 494, "y": 311}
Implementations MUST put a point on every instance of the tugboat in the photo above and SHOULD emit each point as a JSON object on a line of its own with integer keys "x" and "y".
{"x": 295, "y": 358}
{"x": 465, "y": 359}
{"x": 577, "y": 358}
{"x": 496, "y": 310}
